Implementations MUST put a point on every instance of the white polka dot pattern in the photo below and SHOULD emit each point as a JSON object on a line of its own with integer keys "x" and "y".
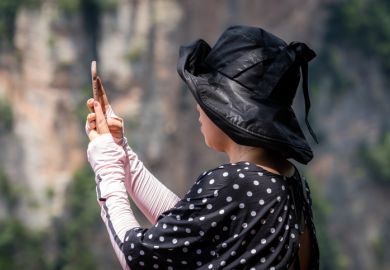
{"x": 235, "y": 216}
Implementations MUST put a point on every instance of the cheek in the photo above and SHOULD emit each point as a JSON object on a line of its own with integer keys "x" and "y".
{"x": 214, "y": 137}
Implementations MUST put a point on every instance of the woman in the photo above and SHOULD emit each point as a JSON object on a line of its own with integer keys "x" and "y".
{"x": 251, "y": 213}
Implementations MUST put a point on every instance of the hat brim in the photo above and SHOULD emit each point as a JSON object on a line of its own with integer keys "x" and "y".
{"x": 246, "y": 118}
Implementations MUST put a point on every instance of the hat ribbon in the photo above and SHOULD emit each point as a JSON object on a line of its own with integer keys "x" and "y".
{"x": 295, "y": 51}
{"x": 305, "y": 54}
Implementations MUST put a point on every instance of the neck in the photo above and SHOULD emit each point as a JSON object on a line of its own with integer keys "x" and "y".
{"x": 269, "y": 160}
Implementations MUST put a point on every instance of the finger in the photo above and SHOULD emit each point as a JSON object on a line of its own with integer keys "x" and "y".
{"x": 89, "y": 125}
{"x": 92, "y": 125}
{"x": 102, "y": 95}
{"x": 91, "y": 117}
{"x": 101, "y": 122}
{"x": 90, "y": 105}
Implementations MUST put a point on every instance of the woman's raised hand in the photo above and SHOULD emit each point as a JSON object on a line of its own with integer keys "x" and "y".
{"x": 96, "y": 126}
{"x": 97, "y": 122}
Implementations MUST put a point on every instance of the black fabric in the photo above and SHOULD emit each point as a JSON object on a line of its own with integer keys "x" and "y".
{"x": 246, "y": 84}
{"x": 236, "y": 216}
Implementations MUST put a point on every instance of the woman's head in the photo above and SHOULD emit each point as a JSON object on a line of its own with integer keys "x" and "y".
{"x": 246, "y": 84}
{"x": 218, "y": 140}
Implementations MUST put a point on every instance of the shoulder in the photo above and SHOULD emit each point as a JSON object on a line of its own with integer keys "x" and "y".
{"x": 237, "y": 177}
{"x": 223, "y": 171}
{"x": 236, "y": 171}
{"x": 212, "y": 181}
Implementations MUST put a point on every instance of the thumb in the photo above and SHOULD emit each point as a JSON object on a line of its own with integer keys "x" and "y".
{"x": 101, "y": 122}
{"x": 102, "y": 95}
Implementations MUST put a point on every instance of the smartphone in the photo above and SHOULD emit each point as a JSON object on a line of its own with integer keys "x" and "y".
{"x": 97, "y": 87}
{"x": 94, "y": 81}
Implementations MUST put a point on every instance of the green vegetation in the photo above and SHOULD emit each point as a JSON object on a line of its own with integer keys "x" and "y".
{"x": 78, "y": 229}
{"x": 68, "y": 244}
{"x": 8, "y": 193}
{"x": 51, "y": 41}
{"x": 378, "y": 246}
{"x": 71, "y": 7}
{"x": 8, "y": 11}
{"x": 50, "y": 193}
{"x": 134, "y": 55}
{"x": 357, "y": 27}
{"x": 108, "y": 5}
{"x": 364, "y": 25}
{"x": 330, "y": 256}
{"x": 7, "y": 118}
{"x": 20, "y": 248}
{"x": 329, "y": 66}
{"x": 376, "y": 159}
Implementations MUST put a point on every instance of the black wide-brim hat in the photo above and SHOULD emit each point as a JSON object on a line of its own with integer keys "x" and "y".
{"x": 246, "y": 85}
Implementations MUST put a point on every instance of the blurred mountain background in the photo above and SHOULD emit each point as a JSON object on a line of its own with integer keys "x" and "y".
{"x": 49, "y": 218}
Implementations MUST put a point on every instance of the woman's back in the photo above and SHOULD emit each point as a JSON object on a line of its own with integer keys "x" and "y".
{"x": 236, "y": 216}
{"x": 307, "y": 244}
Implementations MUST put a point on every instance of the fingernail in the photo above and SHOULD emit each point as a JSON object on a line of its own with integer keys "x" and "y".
{"x": 95, "y": 103}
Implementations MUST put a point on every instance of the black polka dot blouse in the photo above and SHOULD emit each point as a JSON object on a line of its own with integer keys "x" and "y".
{"x": 235, "y": 216}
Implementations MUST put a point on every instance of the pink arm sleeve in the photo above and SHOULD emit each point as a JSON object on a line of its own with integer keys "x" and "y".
{"x": 151, "y": 196}
{"x": 114, "y": 169}
{"x": 107, "y": 160}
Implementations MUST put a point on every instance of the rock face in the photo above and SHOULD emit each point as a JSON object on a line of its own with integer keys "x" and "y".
{"x": 45, "y": 144}
{"x": 46, "y": 80}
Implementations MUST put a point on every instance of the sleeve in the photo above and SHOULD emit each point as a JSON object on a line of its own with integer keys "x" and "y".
{"x": 151, "y": 196}
{"x": 188, "y": 236}
{"x": 107, "y": 160}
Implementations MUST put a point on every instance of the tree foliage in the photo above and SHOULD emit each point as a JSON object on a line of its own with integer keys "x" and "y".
{"x": 68, "y": 244}
{"x": 20, "y": 248}
{"x": 8, "y": 11}
{"x": 7, "y": 117}
{"x": 330, "y": 257}
{"x": 362, "y": 24}
{"x": 78, "y": 228}
{"x": 376, "y": 159}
